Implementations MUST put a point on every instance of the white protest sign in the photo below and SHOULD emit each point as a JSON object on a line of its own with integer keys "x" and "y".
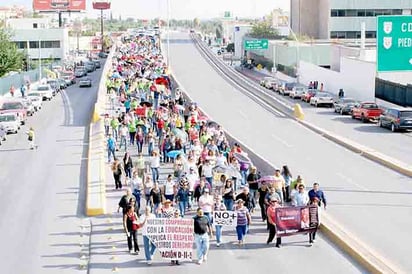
{"x": 225, "y": 218}
{"x": 172, "y": 237}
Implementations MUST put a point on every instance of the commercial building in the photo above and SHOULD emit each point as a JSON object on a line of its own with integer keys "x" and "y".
{"x": 342, "y": 19}
{"x": 39, "y": 38}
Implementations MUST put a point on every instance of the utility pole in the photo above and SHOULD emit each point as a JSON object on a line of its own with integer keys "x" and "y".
{"x": 101, "y": 28}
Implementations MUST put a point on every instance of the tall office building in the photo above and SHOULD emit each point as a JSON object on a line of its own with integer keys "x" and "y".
{"x": 331, "y": 19}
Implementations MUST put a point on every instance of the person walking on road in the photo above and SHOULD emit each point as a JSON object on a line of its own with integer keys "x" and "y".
{"x": 271, "y": 214}
{"x": 111, "y": 148}
{"x": 287, "y": 176}
{"x": 123, "y": 137}
{"x": 155, "y": 165}
{"x": 182, "y": 196}
{"x": 149, "y": 246}
{"x": 202, "y": 230}
{"x": 253, "y": 186}
{"x": 128, "y": 165}
{"x": 279, "y": 184}
{"x": 312, "y": 235}
{"x": 125, "y": 201}
{"x": 228, "y": 195}
{"x": 243, "y": 220}
{"x": 131, "y": 226}
{"x": 219, "y": 206}
{"x": 12, "y": 90}
{"x": 263, "y": 191}
{"x": 31, "y": 138}
{"x": 300, "y": 198}
{"x": 206, "y": 204}
{"x": 117, "y": 170}
{"x": 317, "y": 193}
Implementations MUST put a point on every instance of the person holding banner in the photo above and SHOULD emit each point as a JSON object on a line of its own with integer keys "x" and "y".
{"x": 149, "y": 247}
{"x": 131, "y": 225}
{"x": 218, "y": 206}
{"x": 271, "y": 214}
{"x": 243, "y": 220}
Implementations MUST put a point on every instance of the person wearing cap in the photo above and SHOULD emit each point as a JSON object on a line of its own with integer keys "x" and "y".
{"x": 271, "y": 215}
{"x": 206, "y": 204}
{"x": 243, "y": 220}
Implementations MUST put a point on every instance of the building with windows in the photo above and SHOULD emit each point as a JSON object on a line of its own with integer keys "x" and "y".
{"x": 342, "y": 19}
{"x": 39, "y": 38}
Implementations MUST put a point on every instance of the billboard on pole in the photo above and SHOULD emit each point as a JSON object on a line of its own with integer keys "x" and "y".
{"x": 59, "y": 5}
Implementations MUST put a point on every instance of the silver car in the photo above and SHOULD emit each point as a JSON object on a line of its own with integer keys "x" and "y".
{"x": 10, "y": 122}
{"x": 297, "y": 92}
{"x": 322, "y": 99}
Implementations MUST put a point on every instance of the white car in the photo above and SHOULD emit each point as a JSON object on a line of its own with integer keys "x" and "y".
{"x": 322, "y": 99}
{"x": 46, "y": 91}
{"x": 297, "y": 92}
{"x": 10, "y": 122}
{"x": 268, "y": 82}
{"x": 36, "y": 100}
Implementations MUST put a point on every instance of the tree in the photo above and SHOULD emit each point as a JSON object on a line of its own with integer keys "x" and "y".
{"x": 11, "y": 59}
{"x": 263, "y": 30}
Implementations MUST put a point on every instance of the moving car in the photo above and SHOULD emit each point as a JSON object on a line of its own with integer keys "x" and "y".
{"x": 85, "y": 82}
{"x": 297, "y": 92}
{"x": 15, "y": 107}
{"x": 344, "y": 105}
{"x": 97, "y": 63}
{"x": 80, "y": 72}
{"x": 321, "y": 99}
{"x": 10, "y": 122}
{"x": 366, "y": 111}
{"x": 36, "y": 100}
{"x": 90, "y": 66}
{"x": 396, "y": 119}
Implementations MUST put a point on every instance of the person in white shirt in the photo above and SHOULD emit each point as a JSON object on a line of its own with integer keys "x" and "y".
{"x": 169, "y": 188}
{"x": 221, "y": 160}
{"x": 155, "y": 165}
{"x": 207, "y": 171}
{"x": 124, "y": 131}
{"x": 301, "y": 198}
{"x": 149, "y": 247}
{"x": 206, "y": 204}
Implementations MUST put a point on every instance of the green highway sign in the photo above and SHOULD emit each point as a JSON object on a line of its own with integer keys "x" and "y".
{"x": 256, "y": 44}
{"x": 394, "y": 43}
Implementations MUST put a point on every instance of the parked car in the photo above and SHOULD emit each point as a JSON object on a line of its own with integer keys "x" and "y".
{"x": 321, "y": 99}
{"x": 80, "y": 72}
{"x": 69, "y": 77}
{"x": 36, "y": 99}
{"x": 308, "y": 95}
{"x": 268, "y": 82}
{"x": 396, "y": 119}
{"x": 54, "y": 85}
{"x": 344, "y": 105}
{"x": 3, "y": 133}
{"x": 297, "y": 92}
{"x": 85, "y": 82}
{"x": 28, "y": 105}
{"x": 45, "y": 91}
{"x": 287, "y": 88}
{"x": 62, "y": 83}
{"x": 15, "y": 107}
{"x": 10, "y": 122}
{"x": 366, "y": 111}
{"x": 102, "y": 54}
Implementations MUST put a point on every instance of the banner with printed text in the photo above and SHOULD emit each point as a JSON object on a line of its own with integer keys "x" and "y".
{"x": 172, "y": 237}
{"x": 225, "y": 218}
{"x": 296, "y": 220}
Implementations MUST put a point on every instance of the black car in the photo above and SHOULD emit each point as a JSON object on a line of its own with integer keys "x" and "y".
{"x": 396, "y": 119}
{"x": 344, "y": 105}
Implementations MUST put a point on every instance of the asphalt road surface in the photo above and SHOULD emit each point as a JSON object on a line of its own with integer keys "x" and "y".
{"x": 42, "y": 192}
{"x": 370, "y": 201}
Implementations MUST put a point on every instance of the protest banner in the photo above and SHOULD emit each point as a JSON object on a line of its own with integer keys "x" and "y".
{"x": 225, "y": 218}
{"x": 296, "y": 220}
{"x": 172, "y": 237}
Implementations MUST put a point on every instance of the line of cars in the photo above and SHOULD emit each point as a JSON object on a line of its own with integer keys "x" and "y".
{"x": 395, "y": 119}
{"x": 82, "y": 71}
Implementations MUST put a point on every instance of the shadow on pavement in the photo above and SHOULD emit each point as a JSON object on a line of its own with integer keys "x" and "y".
{"x": 373, "y": 129}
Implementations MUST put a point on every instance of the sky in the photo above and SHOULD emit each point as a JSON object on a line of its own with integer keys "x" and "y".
{"x": 183, "y": 9}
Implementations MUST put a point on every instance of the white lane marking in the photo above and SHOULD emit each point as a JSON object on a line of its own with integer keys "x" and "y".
{"x": 69, "y": 106}
{"x": 244, "y": 115}
{"x": 281, "y": 141}
{"x": 350, "y": 181}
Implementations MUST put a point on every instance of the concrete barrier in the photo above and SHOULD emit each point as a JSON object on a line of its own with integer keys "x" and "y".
{"x": 358, "y": 251}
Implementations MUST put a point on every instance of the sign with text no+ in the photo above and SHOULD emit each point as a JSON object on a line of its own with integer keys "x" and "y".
{"x": 256, "y": 44}
{"x": 394, "y": 43}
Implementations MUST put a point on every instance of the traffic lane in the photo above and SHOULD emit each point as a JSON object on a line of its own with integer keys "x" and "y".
{"x": 311, "y": 155}
{"x": 41, "y": 190}
{"x": 396, "y": 145}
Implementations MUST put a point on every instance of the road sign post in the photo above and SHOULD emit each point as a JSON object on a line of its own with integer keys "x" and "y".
{"x": 394, "y": 43}
{"x": 256, "y": 44}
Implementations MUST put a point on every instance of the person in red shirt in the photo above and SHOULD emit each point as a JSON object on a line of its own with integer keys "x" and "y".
{"x": 131, "y": 225}
{"x": 271, "y": 215}
{"x": 160, "y": 126}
